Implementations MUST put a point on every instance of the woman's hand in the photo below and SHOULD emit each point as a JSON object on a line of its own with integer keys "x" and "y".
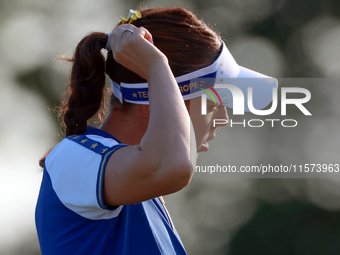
{"x": 136, "y": 51}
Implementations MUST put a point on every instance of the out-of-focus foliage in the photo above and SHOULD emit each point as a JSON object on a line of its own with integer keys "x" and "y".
{"x": 292, "y": 227}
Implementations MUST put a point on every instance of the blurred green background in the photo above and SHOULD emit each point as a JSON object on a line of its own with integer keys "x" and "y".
{"x": 281, "y": 38}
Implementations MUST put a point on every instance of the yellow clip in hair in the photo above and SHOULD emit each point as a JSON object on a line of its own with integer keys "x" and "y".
{"x": 124, "y": 20}
{"x": 132, "y": 18}
{"x": 133, "y": 15}
{"x": 138, "y": 14}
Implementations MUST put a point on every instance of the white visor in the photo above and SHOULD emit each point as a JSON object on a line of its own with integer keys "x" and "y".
{"x": 222, "y": 73}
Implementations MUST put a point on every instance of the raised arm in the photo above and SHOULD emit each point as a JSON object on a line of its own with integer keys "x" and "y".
{"x": 164, "y": 161}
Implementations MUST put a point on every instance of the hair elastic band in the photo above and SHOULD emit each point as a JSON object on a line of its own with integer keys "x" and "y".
{"x": 108, "y": 46}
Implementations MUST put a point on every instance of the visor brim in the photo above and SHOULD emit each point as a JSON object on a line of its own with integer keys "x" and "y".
{"x": 262, "y": 88}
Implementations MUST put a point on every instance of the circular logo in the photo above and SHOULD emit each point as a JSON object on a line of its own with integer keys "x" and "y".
{"x": 225, "y": 98}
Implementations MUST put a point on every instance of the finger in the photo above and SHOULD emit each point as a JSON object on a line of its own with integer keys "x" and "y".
{"x": 145, "y": 33}
{"x": 118, "y": 30}
{"x": 120, "y": 26}
{"x": 126, "y": 32}
{"x": 116, "y": 36}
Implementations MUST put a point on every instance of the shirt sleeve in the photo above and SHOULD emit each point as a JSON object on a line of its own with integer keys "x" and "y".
{"x": 77, "y": 168}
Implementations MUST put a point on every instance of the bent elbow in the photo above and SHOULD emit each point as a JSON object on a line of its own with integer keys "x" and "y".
{"x": 180, "y": 175}
{"x": 187, "y": 171}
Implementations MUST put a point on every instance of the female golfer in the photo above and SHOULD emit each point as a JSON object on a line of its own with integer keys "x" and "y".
{"x": 101, "y": 189}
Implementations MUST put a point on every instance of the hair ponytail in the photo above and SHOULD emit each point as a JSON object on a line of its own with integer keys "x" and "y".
{"x": 86, "y": 83}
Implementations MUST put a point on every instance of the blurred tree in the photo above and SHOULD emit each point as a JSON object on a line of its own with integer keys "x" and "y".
{"x": 292, "y": 227}
{"x": 43, "y": 81}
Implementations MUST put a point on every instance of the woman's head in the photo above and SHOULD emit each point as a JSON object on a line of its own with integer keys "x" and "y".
{"x": 188, "y": 43}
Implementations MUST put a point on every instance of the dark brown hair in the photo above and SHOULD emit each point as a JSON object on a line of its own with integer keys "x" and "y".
{"x": 188, "y": 43}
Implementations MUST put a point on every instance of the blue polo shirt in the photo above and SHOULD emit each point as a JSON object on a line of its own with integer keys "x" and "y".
{"x": 71, "y": 217}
